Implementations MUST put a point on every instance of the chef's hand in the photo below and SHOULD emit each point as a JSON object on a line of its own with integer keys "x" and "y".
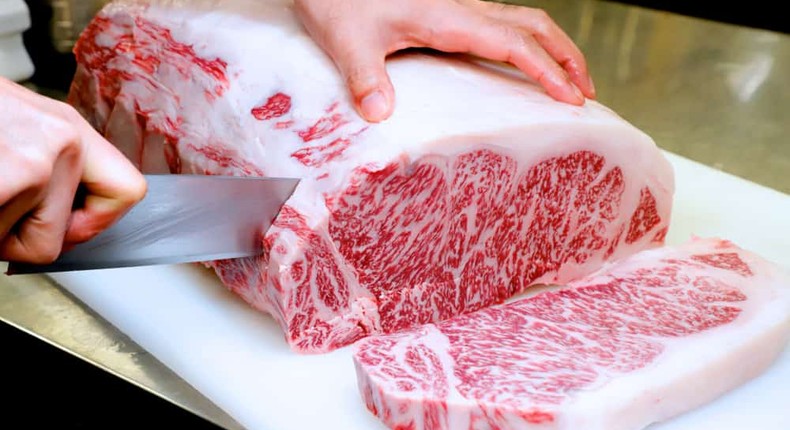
{"x": 359, "y": 34}
{"x": 46, "y": 150}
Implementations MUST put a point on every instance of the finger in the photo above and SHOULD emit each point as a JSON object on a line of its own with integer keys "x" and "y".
{"x": 16, "y": 209}
{"x": 24, "y": 184}
{"x": 112, "y": 184}
{"x": 551, "y": 37}
{"x": 492, "y": 39}
{"x": 361, "y": 62}
{"x": 366, "y": 77}
{"x": 358, "y": 49}
{"x": 39, "y": 236}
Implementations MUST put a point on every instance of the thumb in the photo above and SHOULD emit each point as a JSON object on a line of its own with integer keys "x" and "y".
{"x": 363, "y": 68}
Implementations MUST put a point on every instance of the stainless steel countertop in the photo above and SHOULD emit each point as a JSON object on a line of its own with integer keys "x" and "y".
{"x": 712, "y": 92}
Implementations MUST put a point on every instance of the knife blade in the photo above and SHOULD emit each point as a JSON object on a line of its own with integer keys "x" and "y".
{"x": 181, "y": 219}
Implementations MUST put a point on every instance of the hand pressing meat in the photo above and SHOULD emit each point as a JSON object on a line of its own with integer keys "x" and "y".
{"x": 47, "y": 151}
{"x": 359, "y": 34}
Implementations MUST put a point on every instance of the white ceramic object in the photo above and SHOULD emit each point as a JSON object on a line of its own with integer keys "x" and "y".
{"x": 15, "y": 63}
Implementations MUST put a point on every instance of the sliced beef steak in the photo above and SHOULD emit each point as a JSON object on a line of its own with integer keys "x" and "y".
{"x": 645, "y": 339}
{"x": 477, "y": 187}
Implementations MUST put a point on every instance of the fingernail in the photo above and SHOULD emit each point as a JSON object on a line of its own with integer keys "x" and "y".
{"x": 578, "y": 92}
{"x": 592, "y": 86}
{"x": 374, "y": 106}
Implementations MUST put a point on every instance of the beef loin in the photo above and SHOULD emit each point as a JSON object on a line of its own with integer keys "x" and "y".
{"x": 477, "y": 187}
{"x": 640, "y": 341}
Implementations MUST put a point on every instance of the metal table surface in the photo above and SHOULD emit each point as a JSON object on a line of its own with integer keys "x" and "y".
{"x": 715, "y": 93}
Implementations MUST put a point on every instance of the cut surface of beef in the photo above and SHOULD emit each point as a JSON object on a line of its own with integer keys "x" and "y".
{"x": 479, "y": 185}
{"x": 640, "y": 341}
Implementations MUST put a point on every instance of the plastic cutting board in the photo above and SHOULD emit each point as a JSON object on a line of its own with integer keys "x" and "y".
{"x": 237, "y": 358}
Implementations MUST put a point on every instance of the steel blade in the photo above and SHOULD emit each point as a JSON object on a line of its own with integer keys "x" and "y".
{"x": 182, "y": 219}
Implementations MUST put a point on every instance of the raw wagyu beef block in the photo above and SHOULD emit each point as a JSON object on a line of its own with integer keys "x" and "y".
{"x": 477, "y": 187}
{"x": 640, "y": 341}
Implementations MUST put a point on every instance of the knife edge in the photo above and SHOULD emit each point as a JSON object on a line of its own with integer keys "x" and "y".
{"x": 182, "y": 218}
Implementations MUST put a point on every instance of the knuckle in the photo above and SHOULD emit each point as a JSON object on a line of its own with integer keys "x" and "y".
{"x": 69, "y": 112}
{"x": 540, "y": 21}
{"x": 441, "y": 29}
{"x": 577, "y": 62}
{"x": 538, "y": 15}
{"x": 66, "y": 109}
{"x": 362, "y": 78}
{"x": 135, "y": 190}
{"x": 39, "y": 168}
{"x": 63, "y": 133}
{"x": 517, "y": 40}
{"x": 62, "y": 128}
{"x": 509, "y": 10}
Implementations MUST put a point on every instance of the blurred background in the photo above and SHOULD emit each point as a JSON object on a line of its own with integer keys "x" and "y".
{"x": 56, "y": 24}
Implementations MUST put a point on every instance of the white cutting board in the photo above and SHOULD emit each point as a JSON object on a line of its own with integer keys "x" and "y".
{"x": 237, "y": 358}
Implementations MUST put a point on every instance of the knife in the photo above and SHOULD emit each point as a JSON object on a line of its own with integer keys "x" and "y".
{"x": 181, "y": 219}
